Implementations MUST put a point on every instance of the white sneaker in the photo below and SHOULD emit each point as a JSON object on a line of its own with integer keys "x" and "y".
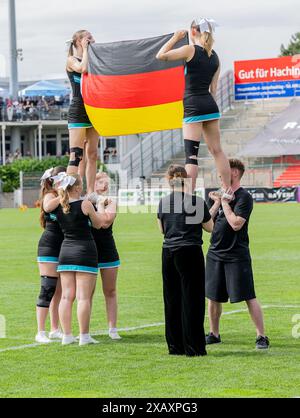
{"x": 56, "y": 335}
{"x": 113, "y": 334}
{"x": 68, "y": 339}
{"x": 87, "y": 340}
{"x": 41, "y": 337}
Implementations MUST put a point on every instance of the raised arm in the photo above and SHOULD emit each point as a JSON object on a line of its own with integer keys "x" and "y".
{"x": 216, "y": 205}
{"x": 97, "y": 218}
{"x": 110, "y": 212}
{"x": 79, "y": 67}
{"x": 241, "y": 213}
{"x": 50, "y": 202}
{"x": 167, "y": 53}
{"x": 236, "y": 222}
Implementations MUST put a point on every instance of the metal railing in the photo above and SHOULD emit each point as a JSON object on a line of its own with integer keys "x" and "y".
{"x": 153, "y": 151}
{"x": 225, "y": 93}
{"x": 157, "y": 148}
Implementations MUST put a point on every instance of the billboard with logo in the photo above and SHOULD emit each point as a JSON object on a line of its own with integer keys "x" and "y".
{"x": 267, "y": 78}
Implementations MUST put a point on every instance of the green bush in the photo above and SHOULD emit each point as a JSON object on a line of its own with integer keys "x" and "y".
{"x": 10, "y": 177}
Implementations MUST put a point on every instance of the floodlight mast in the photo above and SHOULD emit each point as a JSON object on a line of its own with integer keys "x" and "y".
{"x": 13, "y": 52}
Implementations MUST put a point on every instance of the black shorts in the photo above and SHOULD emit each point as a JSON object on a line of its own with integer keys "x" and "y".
{"x": 108, "y": 256}
{"x": 229, "y": 280}
{"x": 77, "y": 116}
{"x": 49, "y": 246}
{"x": 78, "y": 256}
{"x": 200, "y": 108}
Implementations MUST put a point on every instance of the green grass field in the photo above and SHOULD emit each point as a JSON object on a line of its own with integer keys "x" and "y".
{"x": 138, "y": 365}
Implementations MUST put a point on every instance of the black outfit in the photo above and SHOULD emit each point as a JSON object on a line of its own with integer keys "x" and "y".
{"x": 183, "y": 272}
{"x": 199, "y": 104}
{"x": 77, "y": 116}
{"x": 50, "y": 242}
{"x": 78, "y": 251}
{"x": 228, "y": 266}
{"x": 108, "y": 256}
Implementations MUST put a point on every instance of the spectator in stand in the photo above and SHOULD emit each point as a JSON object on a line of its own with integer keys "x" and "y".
{"x": 17, "y": 154}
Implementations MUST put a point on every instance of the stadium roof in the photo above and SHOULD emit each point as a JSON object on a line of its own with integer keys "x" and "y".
{"x": 281, "y": 136}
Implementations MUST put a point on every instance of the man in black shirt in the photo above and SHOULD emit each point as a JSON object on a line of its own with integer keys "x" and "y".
{"x": 228, "y": 266}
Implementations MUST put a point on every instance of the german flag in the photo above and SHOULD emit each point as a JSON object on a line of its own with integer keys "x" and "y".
{"x": 128, "y": 91}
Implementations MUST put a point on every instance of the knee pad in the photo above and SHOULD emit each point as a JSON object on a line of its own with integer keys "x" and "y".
{"x": 191, "y": 149}
{"x": 48, "y": 287}
{"x": 78, "y": 156}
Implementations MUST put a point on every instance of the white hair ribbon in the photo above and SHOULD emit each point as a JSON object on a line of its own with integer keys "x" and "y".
{"x": 59, "y": 177}
{"x": 206, "y": 24}
{"x": 47, "y": 174}
{"x": 66, "y": 182}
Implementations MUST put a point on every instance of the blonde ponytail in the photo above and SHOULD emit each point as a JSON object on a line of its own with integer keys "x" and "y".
{"x": 208, "y": 42}
{"x": 207, "y": 39}
{"x": 64, "y": 200}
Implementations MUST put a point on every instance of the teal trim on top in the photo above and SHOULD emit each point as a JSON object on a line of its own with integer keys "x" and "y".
{"x": 83, "y": 269}
{"x": 202, "y": 118}
{"x": 109, "y": 265}
{"x": 53, "y": 217}
{"x": 77, "y": 79}
{"x": 79, "y": 125}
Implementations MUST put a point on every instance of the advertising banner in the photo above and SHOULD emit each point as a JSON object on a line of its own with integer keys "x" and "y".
{"x": 267, "y": 78}
{"x": 266, "y": 195}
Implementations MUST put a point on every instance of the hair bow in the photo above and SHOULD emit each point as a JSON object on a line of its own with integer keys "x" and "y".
{"x": 47, "y": 174}
{"x": 66, "y": 181}
{"x": 207, "y": 25}
{"x": 59, "y": 177}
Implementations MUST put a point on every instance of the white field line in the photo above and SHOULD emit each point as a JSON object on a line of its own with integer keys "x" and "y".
{"x": 156, "y": 324}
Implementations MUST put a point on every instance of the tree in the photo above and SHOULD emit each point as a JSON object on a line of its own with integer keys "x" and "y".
{"x": 293, "y": 48}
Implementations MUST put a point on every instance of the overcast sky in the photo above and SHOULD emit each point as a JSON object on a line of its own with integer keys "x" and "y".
{"x": 249, "y": 29}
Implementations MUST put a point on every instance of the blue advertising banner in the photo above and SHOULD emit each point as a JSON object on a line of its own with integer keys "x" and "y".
{"x": 267, "y": 78}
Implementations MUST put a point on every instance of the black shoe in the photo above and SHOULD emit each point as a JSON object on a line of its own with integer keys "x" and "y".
{"x": 212, "y": 339}
{"x": 262, "y": 343}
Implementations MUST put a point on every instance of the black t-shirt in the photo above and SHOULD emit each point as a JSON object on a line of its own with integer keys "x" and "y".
{"x": 182, "y": 216}
{"x": 227, "y": 244}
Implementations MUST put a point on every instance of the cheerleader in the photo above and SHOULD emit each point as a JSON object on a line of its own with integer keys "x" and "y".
{"x": 201, "y": 112}
{"x": 78, "y": 261}
{"x": 108, "y": 257}
{"x": 80, "y": 127}
{"x": 48, "y": 252}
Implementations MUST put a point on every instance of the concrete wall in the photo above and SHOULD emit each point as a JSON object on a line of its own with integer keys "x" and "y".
{"x": 6, "y": 200}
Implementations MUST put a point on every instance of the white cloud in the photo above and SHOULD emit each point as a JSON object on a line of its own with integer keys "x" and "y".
{"x": 248, "y": 29}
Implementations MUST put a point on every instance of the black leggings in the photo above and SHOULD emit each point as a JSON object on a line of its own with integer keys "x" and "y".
{"x": 183, "y": 272}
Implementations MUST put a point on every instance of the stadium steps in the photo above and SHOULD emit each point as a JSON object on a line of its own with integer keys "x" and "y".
{"x": 238, "y": 125}
{"x": 289, "y": 178}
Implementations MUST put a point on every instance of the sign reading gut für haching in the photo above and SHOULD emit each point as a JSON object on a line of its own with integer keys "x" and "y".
{"x": 267, "y": 78}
